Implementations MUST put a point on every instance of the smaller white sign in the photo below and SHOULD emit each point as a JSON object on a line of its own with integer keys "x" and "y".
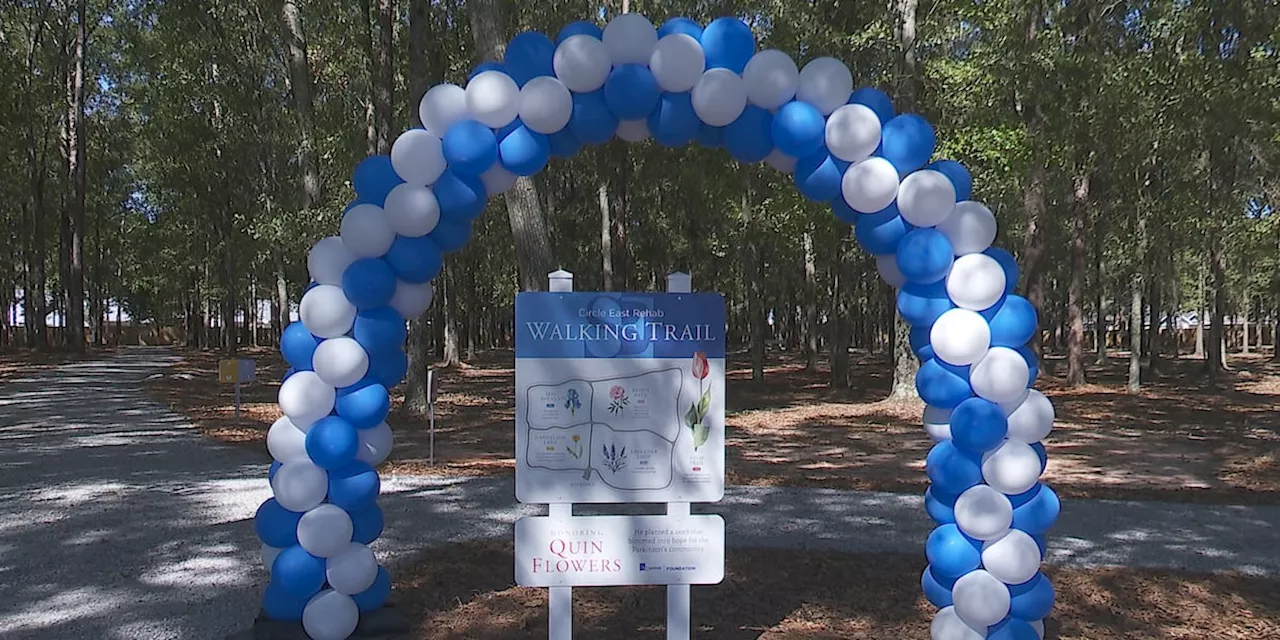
{"x": 614, "y": 551}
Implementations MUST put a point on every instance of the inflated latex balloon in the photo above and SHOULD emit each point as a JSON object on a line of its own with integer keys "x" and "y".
{"x": 908, "y": 142}
{"x": 592, "y": 121}
{"x": 977, "y": 426}
{"x": 327, "y": 260}
{"x": 441, "y": 106}
{"x": 529, "y": 55}
{"x": 631, "y": 92}
{"x": 924, "y": 256}
{"x": 948, "y": 626}
{"x": 521, "y": 151}
{"x": 545, "y": 105}
{"x": 276, "y": 526}
{"x": 298, "y": 345}
{"x": 876, "y": 100}
{"x": 825, "y": 83}
{"x": 1012, "y": 468}
{"x": 412, "y": 299}
{"x": 781, "y": 161}
{"x": 412, "y": 211}
{"x": 300, "y": 486}
{"x": 950, "y": 553}
{"x": 305, "y": 398}
{"x": 936, "y": 588}
{"x": 1001, "y": 376}
{"x": 798, "y": 129}
{"x": 980, "y": 599}
{"x": 887, "y": 267}
{"x": 922, "y": 304}
{"x": 682, "y": 25}
{"x": 286, "y": 442}
{"x": 296, "y": 572}
{"x": 416, "y": 260}
{"x": 340, "y": 362}
{"x": 940, "y": 506}
{"x": 1032, "y": 600}
{"x": 870, "y": 186}
{"x": 379, "y": 329}
{"x": 677, "y": 62}
{"x": 728, "y": 44}
{"x": 853, "y": 133}
{"x": 976, "y": 282}
{"x": 630, "y": 39}
{"x": 268, "y": 553}
{"x": 330, "y": 616}
{"x": 633, "y": 130}
{"x": 493, "y": 99}
{"x": 959, "y": 176}
{"x": 926, "y": 198}
{"x": 375, "y": 445}
{"x": 418, "y": 157}
{"x": 332, "y": 443}
{"x": 354, "y": 487}
{"x": 498, "y": 180}
{"x": 366, "y": 232}
{"x": 325, "y": 531}
{"x": 369, "y": 283}
{"x": 461, "y": 197}
{"x": 374, "y": 597}
{"x": 1013, "y": 558}
{"x": 582, "y": 63}
{"x": 578, "y": 28}
{"x": 363, "y": 405}
{"x": 880, "y": 233}
{"x": 1008, "y": 263}
{"x": 771, "y": 79}
{"x": 367, "y": 524}
{"x": 951, "y": 470}
{"x": 937, "y": 423}
{"x": 1031, "y": 420}
{"x": 353, "y": 570}
{"x": 719, "y": 97}
{"x": 960, "y": 337}
{"x": 748, "y": 139}
{"x": 673, "y": 122}
{"x": 470, "y": 147}
{"x": 983, "y": 513}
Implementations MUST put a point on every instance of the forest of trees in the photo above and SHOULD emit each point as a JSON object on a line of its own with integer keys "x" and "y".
{"x": 177, "y": 159}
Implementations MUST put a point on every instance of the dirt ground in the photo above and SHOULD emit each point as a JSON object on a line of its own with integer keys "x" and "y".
{"x": 1181, "y": 438}
{"x": 24, "y": 362}
{"x": 466, "y": 591}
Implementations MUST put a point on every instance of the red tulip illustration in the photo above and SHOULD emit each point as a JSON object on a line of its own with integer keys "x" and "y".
{"x": 700, "y": 366}
{"x": 696, "y": 417}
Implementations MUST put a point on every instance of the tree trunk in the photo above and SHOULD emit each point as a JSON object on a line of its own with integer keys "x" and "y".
{"x": 365, "y": 35}
{"x": 1135, "y": 305}
{"x": 416, "y": 345}
{"x": 1217, "y": 361}
{"x": 752, "y": 274}
{"x": 908, "y": 93}
{"x": 1244, "y": 323}
{"x": 1156, "y": 314}
{"x": 76, "y": 174}
{"x": 1202, "y": 313}
{"x": 1075, "y": 289}
{"x": 606, "y": 236}
{"x": 1033, "y": 195}
{"x": 810, "y": 329}
{"x": 384, "y": 93}
{"x": 300, "y": 85}
{"x": 451, "y": 356}
{"x": 840, "y": 323}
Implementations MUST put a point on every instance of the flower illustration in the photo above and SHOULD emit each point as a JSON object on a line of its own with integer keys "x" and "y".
{"x": 575, "y": 451}
{"x": 620, "y": 399}
{"x": 696, "y": 417}
{"x": 700, "y": 366}
{"x": 571, "y": 402}
{"x": 614, "y": 460}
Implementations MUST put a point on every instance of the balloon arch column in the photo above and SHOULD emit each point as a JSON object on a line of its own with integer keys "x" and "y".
{"x": 677, "y": 84}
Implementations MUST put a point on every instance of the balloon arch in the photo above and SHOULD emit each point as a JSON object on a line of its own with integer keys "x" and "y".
{"x": 676, "y": 84}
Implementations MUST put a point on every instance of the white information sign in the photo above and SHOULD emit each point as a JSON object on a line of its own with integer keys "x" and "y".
{"x": 606, "y": 551}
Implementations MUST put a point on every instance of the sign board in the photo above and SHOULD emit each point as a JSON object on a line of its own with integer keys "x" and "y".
{"x": 236, "y": 371}
{"x": 619, "y": 397}
{"x": 606, "y": 551}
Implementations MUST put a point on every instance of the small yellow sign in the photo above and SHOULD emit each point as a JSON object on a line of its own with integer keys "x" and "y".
{"x": 232, "y": 371}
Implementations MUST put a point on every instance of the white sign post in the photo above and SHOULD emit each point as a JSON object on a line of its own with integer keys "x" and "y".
{"x": 433, "y": 390}
{"x": 619, "y": 399}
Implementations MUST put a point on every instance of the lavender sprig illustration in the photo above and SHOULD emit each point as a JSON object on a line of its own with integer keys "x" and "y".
{"x": 614, "y": 460}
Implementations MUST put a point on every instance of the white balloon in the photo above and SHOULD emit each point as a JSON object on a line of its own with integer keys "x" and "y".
{"x": 582, "y": 63}
{"x": 442, "y": 106}
{"x": 633, "y": 130}
{"x": 352, "y": 570}
{"x": 926, "y": 198}
{"x": 330, "y": 615}
{"x": 325, "y": 530}
{"x": 326, "y": 312}
{"x": 1013, "y": 558}
{"x": 1030, "y": 420}
{"x": 493, "y": 99}
{"x": 497, "y": 179}
{"x": 781, "y": 161}
{"x": 340, "y": 362}
{"x": 853, "y": 132}
{"x": 677, "y": 62}
{"x": 375, "y": 444}
{"x": 286, "y": 442}
{"x": 887, "y": 265}
{"x": 268, "y": 554}
{"x": 1001, "y": 376}
{"x": 411, "y": 299}
{"x": 305, "y": 398}
{"x": 870, "y": 186}
{"x": 771, "y": 79}
{"x": 366, "y": 232}
{"x": 976, "y": 281}
{"x": 300, "y": 486}
{"x": 327, "y": 260}
{"x": 948, "y": 626}
{"x": 412, "y": 210}
{"x": 826, "y": 84}
{"x": 971, "y": 227}
{"x": 937, "y": 423}
{"x": 1038, "y": 625}
{"x": 960, "y": 337}
{"x": 545, "y": 105}
{"x": 980, "y": 599}
{"x": 719, "y": 97}
{"x": 983, "y": 513}
{"x": 630, "y": 39}
{"x": 1011, "y": 468}
{"x": 418, "y": 157}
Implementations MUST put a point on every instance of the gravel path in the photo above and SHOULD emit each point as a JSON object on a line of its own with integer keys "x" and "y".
{"x": 117, "y": 520}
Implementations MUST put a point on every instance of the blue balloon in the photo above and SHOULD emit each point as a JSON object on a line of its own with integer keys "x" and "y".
{"x": 881, "y": 232}
{"x": 728, "y": 43}
{"x": 1014, "y": 322}
{"x": 925, "y": 255}
{"x": 908, "y": 142}
{"x": 354, "y": 487}
{"x": 374, "y": 178}
{"x": 1031, "y": 600}
{"x": 369, "y": 283}
{"x": 951, "y": 553}
{"x": 1038, "y": 447}
{"x": 958, "y": 175}
{"x": 366, "y": 523}
{"x": 709, "y": 136}
{"x": 580, "y": 28}
{"x": 470, "y": 148}
{"x": 388, "y": 367}
{"x": 288, "y": 373}
{"x": 673, "y": 122}
{"x": 680, "y": 25}
{"x": 799, "y": 129}
{"x": 374, "y": 597}
{"x": 364, "y": 404}
{"x": 748, "y": 139}
{"x": 941, "y": 386}
{"x": 1039, "y": 513}
{"x": 528, "y": 56}
{"x": 1017, "y": 500}
{"x": 379, "y": 329}
{"x": 1033, "y": 365}
{"x": 461, "y": 197}
{"x": 922, "y": 304}
{"x": 271, "y": 472}
{"x": 451, "y": 235}
{"x": 298, "y": 345}
{"x": 592, "y": 121}
{"x": 920, "y": 345}
{"x": 875, "y": 100}
{"x": 415, "y": 260}
{"x": 978, "y": 425}
{"x": 845, "y": 213}
{"x": 818, "y": 176}
{"x": 275, "y": 525}
{"x": 488, "y": 65}
{"x": 941, "y": 507}
{"x": 1012, "y": 629}
{"x": 1042, "y": 543}
{"x": 297, "y": 573}
{"x": 1009, "y": 264}
{"x": 937, "y": 591}
{"x": 564, "y": 144}
{"x": 281, "y": 605}
{"x": 951, "y": 470}
{"x": 631, "y": 92}
{"x": 332, "y": 443}
{"x": 523, "y": 151}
